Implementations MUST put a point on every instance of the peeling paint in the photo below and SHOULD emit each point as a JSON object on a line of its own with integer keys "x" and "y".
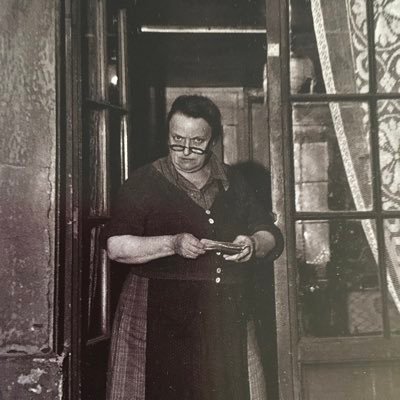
{"x": 59, "y": 360}
{"x": 36, "y": 390}
{"x": 26, "y": 378}
{"x": 32, "y": 378}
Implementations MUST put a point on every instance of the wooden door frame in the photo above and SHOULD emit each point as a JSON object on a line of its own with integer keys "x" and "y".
{"x": 277, "y": 97}
{"x": 69, "y": 219}
{"x": 69, "y": 176}
{"x": 293, "y": 351}
{"x": 70, "y": 222}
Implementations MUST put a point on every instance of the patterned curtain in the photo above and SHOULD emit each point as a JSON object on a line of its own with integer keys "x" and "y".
{"x": 341, "y": 34}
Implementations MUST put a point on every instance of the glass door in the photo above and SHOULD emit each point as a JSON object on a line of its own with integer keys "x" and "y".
{"x": 105, "y": 166}
{"x": 337, "y": 193}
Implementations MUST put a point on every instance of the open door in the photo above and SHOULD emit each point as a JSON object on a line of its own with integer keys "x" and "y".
{"x": 333, "y": 98}
{"x": 105, "y": 166}
{"x": 215, "y": 48}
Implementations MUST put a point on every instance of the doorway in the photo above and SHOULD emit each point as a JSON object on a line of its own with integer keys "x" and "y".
{"x": 319, "y": 358}
{"x": 138, "y": 57}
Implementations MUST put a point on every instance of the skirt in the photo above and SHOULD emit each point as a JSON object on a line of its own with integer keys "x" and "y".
{"x": 178, "y": 340}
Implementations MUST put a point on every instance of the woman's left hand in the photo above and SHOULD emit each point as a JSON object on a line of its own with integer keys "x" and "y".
{"x": 246, "y": 253}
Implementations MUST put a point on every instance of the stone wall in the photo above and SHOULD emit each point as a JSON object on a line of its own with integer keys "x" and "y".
{"x": 28, "y": 367}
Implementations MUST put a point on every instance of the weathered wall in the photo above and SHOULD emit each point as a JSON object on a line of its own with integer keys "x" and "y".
{"x": 27, "y": 197}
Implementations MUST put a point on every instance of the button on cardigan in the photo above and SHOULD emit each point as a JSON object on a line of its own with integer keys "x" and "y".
{"x": 150, "y": 205}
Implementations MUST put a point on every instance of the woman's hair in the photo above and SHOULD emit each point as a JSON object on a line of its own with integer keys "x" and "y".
{"x": 196, "y": 106}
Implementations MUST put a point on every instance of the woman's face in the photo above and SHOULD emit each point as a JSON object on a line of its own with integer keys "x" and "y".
{"x": 188, "y": 132}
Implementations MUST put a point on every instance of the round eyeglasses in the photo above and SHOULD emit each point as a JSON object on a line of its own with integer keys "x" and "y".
{"x": 195, "y": 150}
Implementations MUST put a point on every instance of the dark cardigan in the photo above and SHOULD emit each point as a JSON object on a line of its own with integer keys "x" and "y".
{"x": 208, "y": 320}
{"x": 149, "y": 205}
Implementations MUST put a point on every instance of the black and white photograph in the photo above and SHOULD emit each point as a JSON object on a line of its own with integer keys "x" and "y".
{"x": 200, "y": 200}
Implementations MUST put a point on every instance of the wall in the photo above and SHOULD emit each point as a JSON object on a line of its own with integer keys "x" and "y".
{"x": 28, "y": 367}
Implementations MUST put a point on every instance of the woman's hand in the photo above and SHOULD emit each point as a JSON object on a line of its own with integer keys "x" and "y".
{"x": 187, "y": 246}
{"x": 246, "y": 253}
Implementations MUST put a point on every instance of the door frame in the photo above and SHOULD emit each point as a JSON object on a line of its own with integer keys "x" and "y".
{"x": 277, "y": 99}
{"x": 69, "y": 185}
{"x": 295, "y": 351}
{"x": 71, "y": 221}
{"x": 68, "y": 335}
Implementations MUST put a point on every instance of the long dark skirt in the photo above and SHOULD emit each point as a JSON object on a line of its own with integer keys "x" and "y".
{"x": 188, "y": 338}
{"x": 197, "y": 341}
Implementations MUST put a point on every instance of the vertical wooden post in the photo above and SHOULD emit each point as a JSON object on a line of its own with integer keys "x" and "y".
{"x": 276, "y": 86}
{"x": 70, "y": 219}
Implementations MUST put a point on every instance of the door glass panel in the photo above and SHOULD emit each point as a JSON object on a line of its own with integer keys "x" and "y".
{"x": 96, "y": 51}
{"x": 387, "y": 45}
{"x": 98, "y": 286}
{"x": 98, "y": 125}
{"x": 328, "y": 46}
{"x": 389, "y": 144}
{"x": 392, "y": 241}
{"x": 112, "y": 55}
{"x": 338, "y": 284}
{"x": 332, "y": 156}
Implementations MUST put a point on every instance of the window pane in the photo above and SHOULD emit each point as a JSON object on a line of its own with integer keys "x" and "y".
{"x": 392, "y": 240}
{"x": 338, "y": 278}
{"x": 389, "y": 144}
{"x": 328, "y": 46}
{"x": 98, "y": 177}
{"x": 95, "y": 51}
{"x": 112, "y": 54}
{"x": 113, "y": 78}
{"x": 332, "y": 156}
{"x": 387, "y": 45}
{"x": 97, "y": 278}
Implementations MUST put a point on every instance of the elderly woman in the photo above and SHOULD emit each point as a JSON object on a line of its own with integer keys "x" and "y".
{"x": 181, "y": 328}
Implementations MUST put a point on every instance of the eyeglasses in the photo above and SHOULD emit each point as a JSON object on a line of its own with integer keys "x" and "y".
{"x": 195, "y": 150}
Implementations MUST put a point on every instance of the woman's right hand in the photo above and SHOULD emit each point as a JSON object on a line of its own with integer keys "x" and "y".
{"x": 187, "y": 245}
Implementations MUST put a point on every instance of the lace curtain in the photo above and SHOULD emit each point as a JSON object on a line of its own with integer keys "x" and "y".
{"x": 341, "y": 34}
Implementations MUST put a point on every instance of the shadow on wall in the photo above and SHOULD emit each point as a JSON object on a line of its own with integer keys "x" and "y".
{"x": 259, "y": 178}
{"x": 263, "y": 288}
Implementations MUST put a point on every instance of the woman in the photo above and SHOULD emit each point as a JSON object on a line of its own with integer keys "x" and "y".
{"x": 181, "y": 326}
